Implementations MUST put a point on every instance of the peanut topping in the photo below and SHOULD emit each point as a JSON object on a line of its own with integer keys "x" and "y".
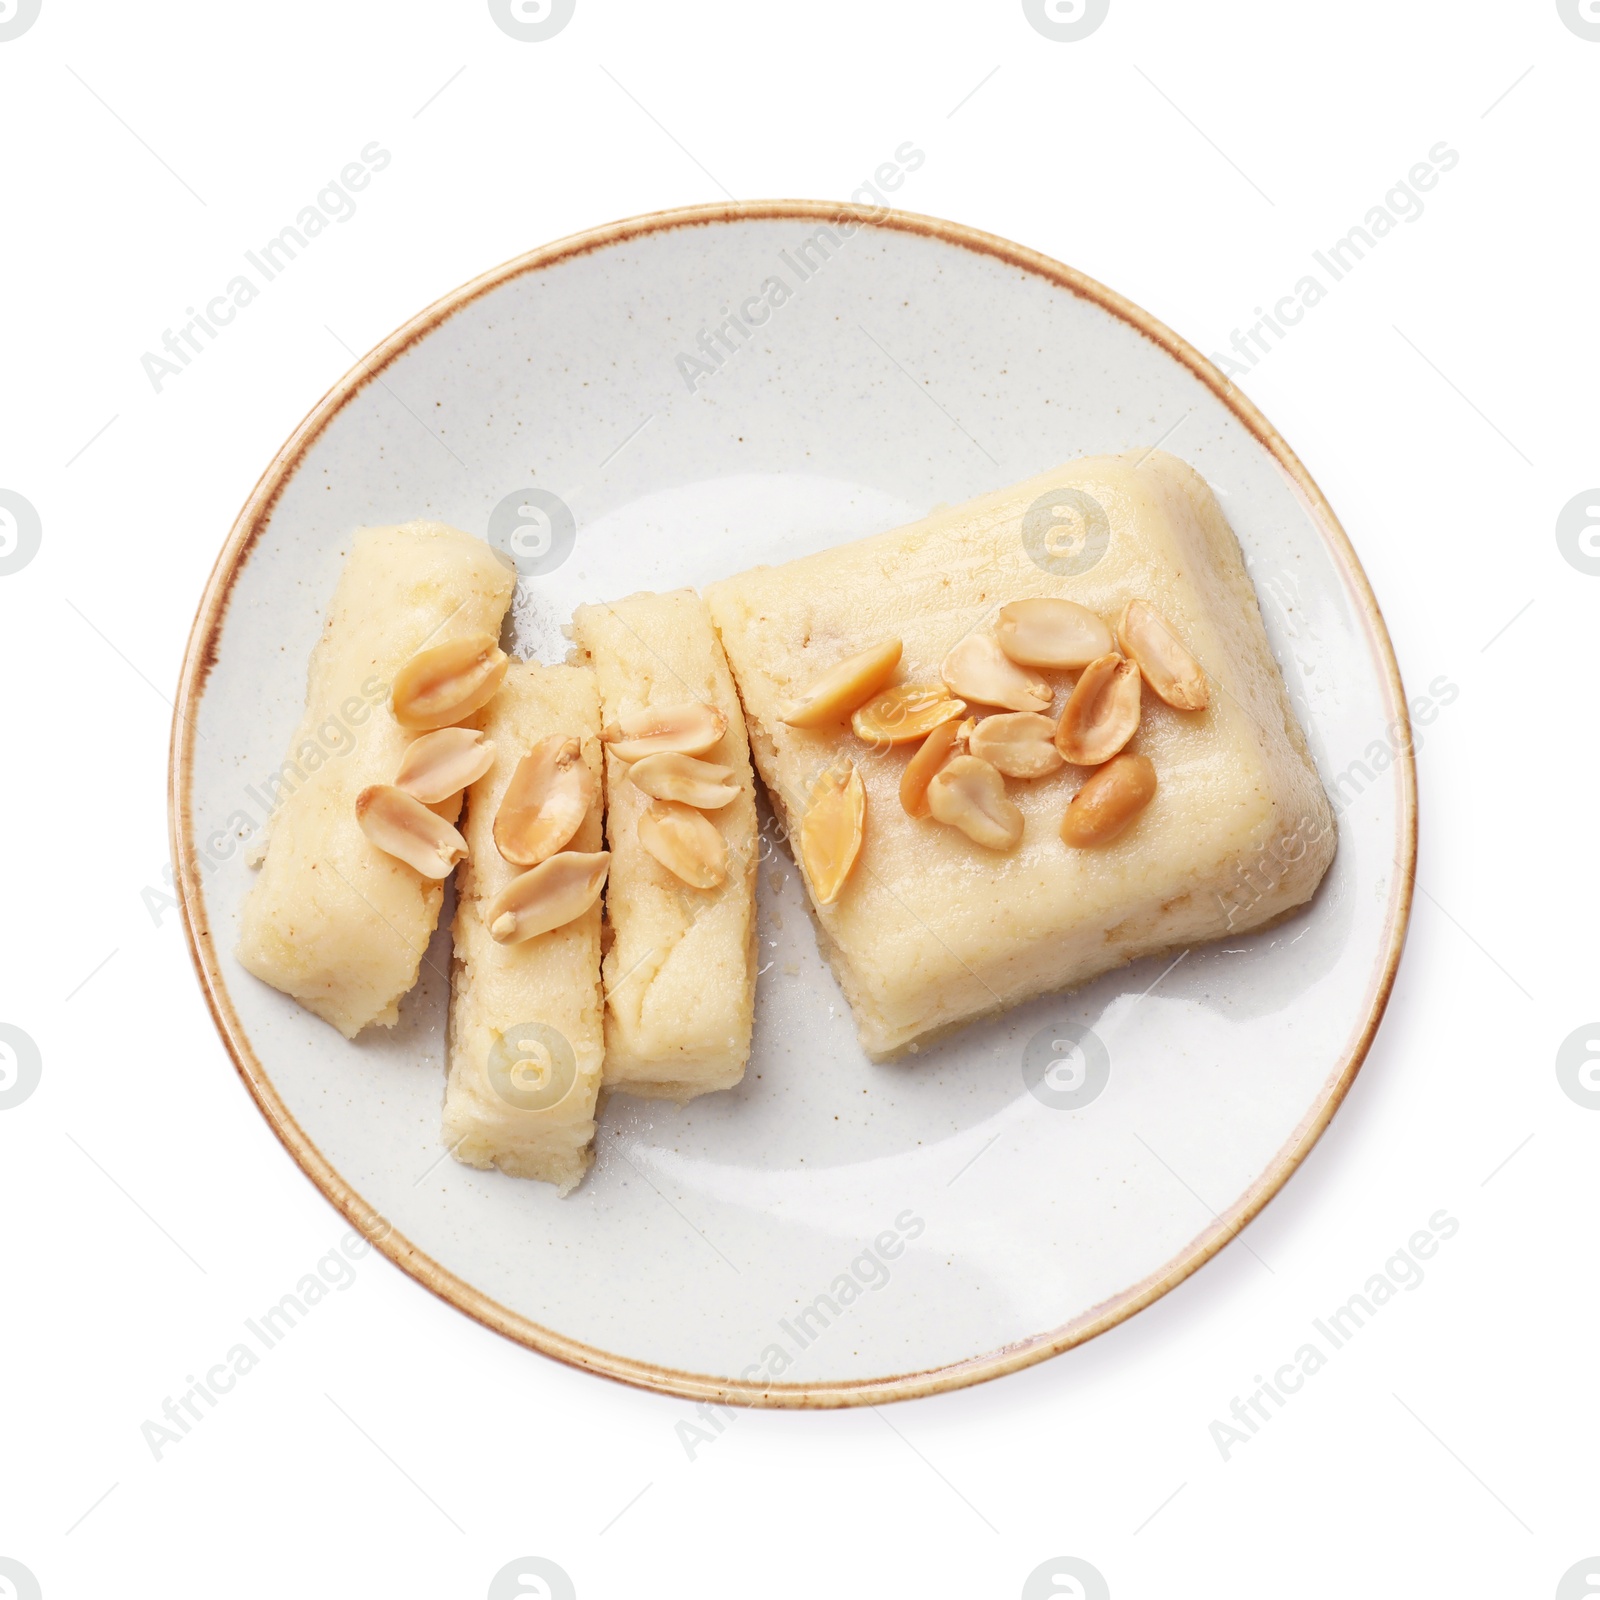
{"x": 438, "y": 766}
{"x": 1018, "y": 743}
{"x": 969, "y": 794}
{"x": 935, "y": 751}
{"x": 906, "y": 712}
{"x": 1051, "y": 633}
{"x": 547, "y": 896}
{"x": 450, "y": 681}
{"x": 832, "y": 829}
{"x": 670, "y": 776}
{"x": 689, "y": 729}
{"x": 1109, "y": 801}
{"x": 1146, "y": 637}
{"x": 1102, "y": 713}
{"x": 978, "y": 669}
{"x": 839, "y": 690}
{"x": 549, "y": 795}
{"x": 687, "y": 844}
{"x": 401, "y": 826}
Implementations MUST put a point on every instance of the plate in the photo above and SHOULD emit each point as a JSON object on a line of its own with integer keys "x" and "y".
{"x": 664, "y": 401}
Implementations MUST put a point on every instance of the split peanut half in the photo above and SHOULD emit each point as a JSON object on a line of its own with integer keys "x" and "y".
{"x": 969, "y": 794}
{"x": 1051, "y": 633}
{"x": 689, "y": 729}
{"x": 936, "y": 749}
{"x": 1109, "y": 801}
{"x": 978, "y": 669}
{"x": 1102, "y": 713}
{"x": 401, "y": 826}
{"x": 832, "y": 829}
{"x": 687, "y": 844}
{"x": 439, "y": 765}
{"x": 1020, "y": 744}
{"x": 549, "y": 795}
{"x": 839, "y": 690}
{"x": 692, "y": 782}
{"x": 907, "y": 711}
{"x": 547, "y": 896}
{"x": 450, "y": 681}
{"x": 1145, "y": 636}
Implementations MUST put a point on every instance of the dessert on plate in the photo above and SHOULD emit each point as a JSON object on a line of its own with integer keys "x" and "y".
{"x": 1162, "y": 659}
{"x": 526, "y": 1039}
{"x": 680, "y": 968}
{"x": 333, "y": 920}
{"x": 1013, "y": 745}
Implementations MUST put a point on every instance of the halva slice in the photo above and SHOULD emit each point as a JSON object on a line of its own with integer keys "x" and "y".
{"x": 938, "y": 923}
{"x": 680, "y": 969}
{"x": 526, "y": 1035}
{"x": 333, "y": 920}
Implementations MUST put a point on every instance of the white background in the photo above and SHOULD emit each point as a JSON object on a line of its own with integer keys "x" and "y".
{"x": 1439, "y": 395}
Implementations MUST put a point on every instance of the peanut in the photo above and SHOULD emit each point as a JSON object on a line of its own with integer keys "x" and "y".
{"x": 832, "y": 829}
{"x": 687, "y": 844}
{"x": 906, "y": 712}
{"x": 547, "y": 896}
{"x": 934, "y": 751}
{"x": 441, "y": 685}
{"x": 401, "y": 826}
{"x": 1109, "y": 801}
{"x": 1102, "y": 712}
{"x": 838, "y": 691}
{"x": 1018, "y": 743}
{"x": 549, "y": 795}
{"x": 1146, "y": 637}
{"x": 969, "y": 794}
{"x": 978, "y": 669}
{"x": 688, "y": 730}
{"x": 1051, "y": 633}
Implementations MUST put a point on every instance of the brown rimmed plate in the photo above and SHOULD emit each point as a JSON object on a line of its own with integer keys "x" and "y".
{"x": 662, "y": 401}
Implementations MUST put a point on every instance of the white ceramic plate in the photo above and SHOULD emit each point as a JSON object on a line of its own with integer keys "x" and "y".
{"x": 833, "y": 1231}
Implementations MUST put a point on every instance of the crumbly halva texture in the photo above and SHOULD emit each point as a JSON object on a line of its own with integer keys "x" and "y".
{"x": 333, "y": 920}
{"x": 526, "y": 1031}
{"x": 933, "y": 929}
{"x": 680, "y": 969}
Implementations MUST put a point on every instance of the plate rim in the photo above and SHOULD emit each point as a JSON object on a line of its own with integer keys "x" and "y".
{"x": 200, "y": 654}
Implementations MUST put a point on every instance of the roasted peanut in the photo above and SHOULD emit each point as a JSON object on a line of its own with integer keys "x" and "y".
{"x": 689, "y": 729}
{"x": 401, "y": 826}
{"x": 439, "y": 765}
{"x": 548, "y": 797}
{"x": 1109, "y": 801}
{"x": 978, "y": 669}
{"x": 832, "y": 829}
{"x": 933, "y": 753}
{"x": 906, "y": 712}
{"x": 837, "y": 692}
{"x": 687, "y": 844}
{"x": 1051, "y": 633}
{"x": 1102, "y": 712}
{"x": 686, "y": 779}
{"x": 547, "y": 896}
{"x": 441, "y": 685}
{"x": 969, "y": 794}
{"x": 1021, "y": 744}
{"x": 1146, "y": 637}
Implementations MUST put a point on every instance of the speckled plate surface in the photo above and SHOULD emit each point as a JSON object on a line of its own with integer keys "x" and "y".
{"x": 832, "y": 1232}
